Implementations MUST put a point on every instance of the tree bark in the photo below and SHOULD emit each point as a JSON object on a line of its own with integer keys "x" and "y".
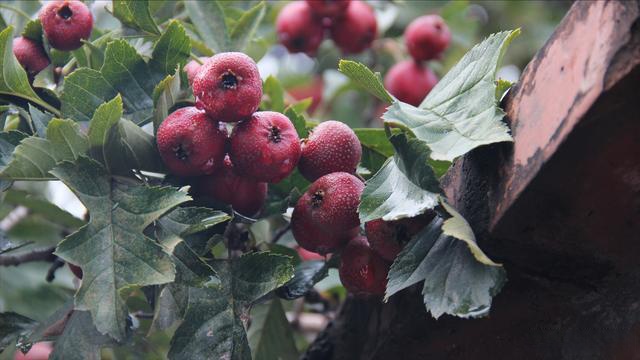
{"x": 560, "y": 208}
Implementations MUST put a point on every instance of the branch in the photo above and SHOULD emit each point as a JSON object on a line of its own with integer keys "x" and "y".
{"x": 36, "y": 255}
{"x": 280, "y": 233}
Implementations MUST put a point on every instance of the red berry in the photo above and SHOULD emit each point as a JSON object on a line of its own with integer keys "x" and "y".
{"x": 387, "y": 238}
{"x": 427, "y": 37}
{"x": 76, "y": 270}
{"x": 307, "y": 255}
{"x": 329, "y": 8}
{"x": 66, "y": 23}
{"x": 192, "y": 69}
{"x": 356, "y": 30}
{"x": 228, "y": 87}
{"x": 243, "y": 194}
{"x": 316, "y": 238}
{"x": 265, "y": 147}
{"x": 30, "y": 55}
{"x": 331, "y": 147}
{"x": 362, "y": 271}
{"x": 190, "y": 143}
{"x": 410, "y": 81}
{"x": 298, "y": 30}
{"x": 39, "y": 351}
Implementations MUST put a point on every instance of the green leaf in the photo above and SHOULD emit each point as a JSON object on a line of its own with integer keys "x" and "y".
{"x": 298, "y": 122}
{"x": 42, "y": 207}
{"x": 80, "y": 339}
{"x": 459, "y": 279}
{"x": 209, "y": 19}
{"x": 244, "y": 29}
{"x": 213, "y": 327}
{"x": 9, "y": 140}
{"x": 135, "y": 14}
{"x": 184, "y": 222}
{"x": 34, "y": 157}
{"x": 501, "y": 88}
{"x": 104, "y": 119}
{"x": 365, "y": 78}
{"x": 406, "y": 186}
{"x": 13, "y": 325}
{"x": 270, "y": 335}
{"x": 460, "y": 113}
{"x": 111, "y": 249}
{"x": 172, "y": 49}
{"x": 274, "y": 95}
{"x": 306, "y": 275}
{"x": 40, "y": 120}
{"x": 165, "y": 96}
{"x": 33, "y": 30}
{"x": 84, "y": 91}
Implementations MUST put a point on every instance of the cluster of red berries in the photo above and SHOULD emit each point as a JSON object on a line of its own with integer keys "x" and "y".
{"x": 411, "y": 80}
{"x": 301, "y": 25}
{"x": 65, "y": 24}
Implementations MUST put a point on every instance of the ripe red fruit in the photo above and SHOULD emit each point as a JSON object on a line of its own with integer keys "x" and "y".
{"x": 228, "y": 87}
{"x": 265, "y": 147}
{"x": 410, "y": 81}
{"x": 66, "y": 23}
{"x": 362, "y": 271}
{"x": 316, "y": 238}
{"x": 331, "y": 147}
{"x": 243, "y": 194}
{"x": 307, "y": 255}
{"x": 298, "y": 29}
{"x": 427, "y": 37}
{"x": 190, "y": 143}
{"x": 76, "y": 270}
{"x": 387, "y": 238}
{"x": 329, "y": 8}
{"x": 192, "y": 69}
{"x": 356, "y": 30}
{"x": 39, "y": 351}
{"x": 30, "y": 55}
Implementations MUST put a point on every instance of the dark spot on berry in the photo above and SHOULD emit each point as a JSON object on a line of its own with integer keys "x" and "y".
{"x": 229, "y": 80}
{"x": 181, "y": 152}
{"x": 316, "y": 198}
{"x": 65, "y": 12}
{"x": 438, "y": 26}
{"x": 297, "y": 43}
{"x": 275, "y": 134}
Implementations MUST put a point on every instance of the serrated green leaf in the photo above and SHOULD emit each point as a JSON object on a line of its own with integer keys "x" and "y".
{"x": 376, "y": 148}
{"x": 501, "y": 88}
{"x": 9, "y": 140}
{"x": 274, "y": 92}
{"x": 40, "y": 120}
{"x": 84, "y": 91}
{"x": 306, "y": 275}
{"x": 183, "y": 222}
{"x": 42, "y": 207}
{"x": 460, "y": 113}
{"x": 135, "y": 14}
{"x": 270, "y": 335}
{"x": 365, "y": 78}
{"x": 13, "y": 325}
{"x": 104, "y": 119}
{"x": 209, "y": 20}
{"x": 172, "y": 49}
{"x": 33, "y": 30}
{"x": 165, "y": 96}
{"x": 80, "y": 339}
{"x": 111, "y": 249}
{"x": 298, "y": 122}
{"x": 244, "y": 29}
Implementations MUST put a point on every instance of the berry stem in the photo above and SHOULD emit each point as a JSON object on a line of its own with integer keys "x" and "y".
{"x": 196, "y": 58}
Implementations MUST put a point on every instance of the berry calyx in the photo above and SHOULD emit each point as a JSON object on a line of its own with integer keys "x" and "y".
{"x": 355, "y": 31}
{"x": 192, "y": 69}
{"x": 266, "y": 147}
{"x": 228, "y": 87}
{"x": 298, "y": 29}
{"x": 331, "y": 147}
{"x": 427, "y": 37}
{"x": 362, "y": 271}
{"x": 66, "y": 23}
{"x": 329, "y": 8}
{"x": 30, "y": 55}
{"x": 387, "y": 238}
{"x": 410, "y": 81}
{"x": 76, "y": 270}
{"x": 190, "y": 143}
{"x": 245, "y": 195}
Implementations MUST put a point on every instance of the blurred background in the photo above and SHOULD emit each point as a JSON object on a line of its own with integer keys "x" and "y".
{"x": 24, "y": 289}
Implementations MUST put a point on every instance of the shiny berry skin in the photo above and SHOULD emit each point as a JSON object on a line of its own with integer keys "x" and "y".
{"x": 356, "y": 30}
{"x": 76, "y": 270}
{"x": 410, "y": 82}
{"x": 427, "y": 37}
{"x": 66, "y": 23}
{"x": 362, "y": 271}
{"x": 331, "y": 147}
{"x": 228, "y": 87}
{"x": 387, "y": 238}
{"x": 298, "y": 29}
{"x": 329, "y": 8}
{"x": 30, "y": 55}
{"x": 266, "y": 147}
{"x": 316, "y": 238}
{"x": 192, "y": 69}
{"x": 190, "y": 143}
{"x": 245, "y": 195}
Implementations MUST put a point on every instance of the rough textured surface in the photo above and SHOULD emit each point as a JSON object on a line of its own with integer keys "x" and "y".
{"x": 559, "y": 208}
{"x": 66, "y": 23}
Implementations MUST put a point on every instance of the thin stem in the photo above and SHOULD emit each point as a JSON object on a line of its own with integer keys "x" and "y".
{"x": 66, "y": 69}
{"x": 196, "y": 58}
{"x": 16, "y": 10}
{"x": 278, "y": 235}
{"x": 36, "y": 255}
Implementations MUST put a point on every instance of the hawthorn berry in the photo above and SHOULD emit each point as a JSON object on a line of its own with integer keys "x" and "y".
{"x": 331, "y": 147}
{"x": 39, "y": 351}
{"x": 329, "y": 8}
{"x": 314, "y": 237}
{"x": 387, "y": 238}
{"x": 245, "y": 195}
{"x": 410, "y": 81}
{"x": 192, "y": 69}
{"x": 356, "y": 30}
{"x": 266, "y": 147}
{"x": 66, "y": 23}
{"x": 307, "y": 255}
{"x": 427, "y": 37}
{"x": 30, "y": 55}
{"x": 298, "y": 29}
{"x": 228, "y": 87}
{"x": 190, "y": 143}
{"x": 362, "y": 271}
{"x": 76, "y": 270}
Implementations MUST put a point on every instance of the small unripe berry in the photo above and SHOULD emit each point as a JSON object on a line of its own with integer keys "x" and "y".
{"x": 298, "y": 29}
{"x": 245, "y": 195}
{"x": 331, "y": 147}
{"x": 387, "y": 238}
{"x": 228, "y": 87}
{"x": 66, "y": 23}
{"x": 329, "y": 8}
{"x": 362, "y": 271}
{"x": 427, "y": 37}
{"x": 190, "y": 143}
{"x": 266, "y": 147}
{"x": 192, "y": 69}
{"x": 410, "y": 81}
{"x": 30, "y": 55}
{"x": 356, "y": 30}
{"x": 76, "y": 270}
